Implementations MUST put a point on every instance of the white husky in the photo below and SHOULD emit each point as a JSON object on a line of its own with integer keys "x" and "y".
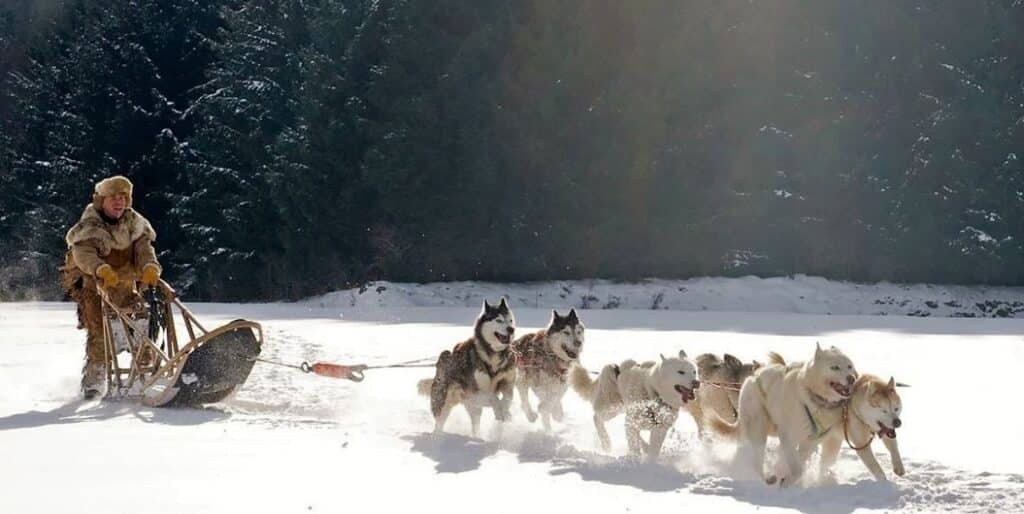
{"x": 800, "y": 402}
{"x": 651, "y": 395}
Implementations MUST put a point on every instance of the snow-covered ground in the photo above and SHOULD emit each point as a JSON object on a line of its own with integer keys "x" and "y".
{"x": 291, "y": 442}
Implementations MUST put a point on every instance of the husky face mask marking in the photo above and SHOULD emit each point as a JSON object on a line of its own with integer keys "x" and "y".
{"x": 496, "y": 326}
{"x": 831, "y": 374}
{"x": 565, "y": 336}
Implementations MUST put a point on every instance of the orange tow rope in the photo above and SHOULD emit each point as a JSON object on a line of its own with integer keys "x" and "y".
{"x": 325, "y": 369}
{"x": 352, "y": 372}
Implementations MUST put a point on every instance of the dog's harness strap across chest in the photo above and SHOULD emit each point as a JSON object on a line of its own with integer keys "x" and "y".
{"x": 822, "y": 403}
{"x": 816, "y": 429}
{"x": 815, "y": 424}
{"x": 532, "y": 356}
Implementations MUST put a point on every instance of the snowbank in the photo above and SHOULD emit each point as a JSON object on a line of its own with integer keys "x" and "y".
{"x": 798, "y": 294}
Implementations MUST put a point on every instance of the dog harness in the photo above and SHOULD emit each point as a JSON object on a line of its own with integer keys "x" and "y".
{"x": 816, "y": 427}
{"x": 530, "y": 355}
{"x": 818, "y": 433}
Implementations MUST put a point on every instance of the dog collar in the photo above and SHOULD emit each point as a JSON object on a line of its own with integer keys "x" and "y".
{"x": 821, "y": 402}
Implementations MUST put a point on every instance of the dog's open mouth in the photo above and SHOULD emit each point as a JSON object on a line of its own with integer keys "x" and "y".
{"x": 504, "y": 338}
{"x": 884, "y": 431}
{"x": 842, "y": 390}
{"x": 685, "y": 394}
{"x": 571, "y": 354}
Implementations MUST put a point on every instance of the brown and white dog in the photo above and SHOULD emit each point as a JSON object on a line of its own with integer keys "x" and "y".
{"x": 479, "y": 372}
{"x": 722, "y": 378}
{"x": 874, "y": 408}
{"x": 543, "y": 360}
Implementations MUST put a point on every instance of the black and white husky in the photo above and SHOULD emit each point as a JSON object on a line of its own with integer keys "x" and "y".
{"x": 479, "y": 372}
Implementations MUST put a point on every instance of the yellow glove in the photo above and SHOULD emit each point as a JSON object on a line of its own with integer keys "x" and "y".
{"x": 150, "y": 274}
{"x": 107, "y": 275}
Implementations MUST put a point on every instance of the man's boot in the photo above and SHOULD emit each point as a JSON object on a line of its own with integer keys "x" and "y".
{"x": 94, "y": 380}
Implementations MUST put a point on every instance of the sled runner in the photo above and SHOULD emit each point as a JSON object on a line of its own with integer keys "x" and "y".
{"x": 206, "y": 369}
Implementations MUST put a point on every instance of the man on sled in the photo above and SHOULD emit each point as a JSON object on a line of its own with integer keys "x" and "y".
{"x": 111, "y": 246}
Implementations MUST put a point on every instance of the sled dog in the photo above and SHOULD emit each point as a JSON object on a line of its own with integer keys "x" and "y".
{"x": 874, "y": 408}
{"x": 799, "y": 402}
{"x": 479, "y": 372}
{"x": 720, "y": 394}
{"x": 650, "y": 394}
{"x": 543, "y": 360}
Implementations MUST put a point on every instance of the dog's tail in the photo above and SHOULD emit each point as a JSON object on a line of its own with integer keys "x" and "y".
{"x": 581, "y": 382}
{"x": 774, "y": 358}
{"x": 721, "y": 426}
{"x": 423, "y": 386}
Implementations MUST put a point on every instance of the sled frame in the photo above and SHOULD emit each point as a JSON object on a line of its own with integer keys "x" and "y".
{"x": 149, "y": 361}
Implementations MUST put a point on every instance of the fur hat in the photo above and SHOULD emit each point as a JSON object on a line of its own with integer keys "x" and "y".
{"x": 111, "y": 186}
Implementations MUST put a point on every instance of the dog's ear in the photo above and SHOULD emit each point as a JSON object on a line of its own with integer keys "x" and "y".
{"x": 817, "y": 350}
{"x": 503, "y": 306}
{"x": 682, "y": 354}
{"x": 756, "y": 365}
{"x": 487, "y": 306}
{"x": 891, "y": 386}
{"x": 662, "y": 357}
{"x": 572, "y": 315}
{"x": 554, "y": 315}
{"x": 733, "y": 362}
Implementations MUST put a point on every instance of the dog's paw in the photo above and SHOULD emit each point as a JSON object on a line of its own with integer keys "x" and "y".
{"x": 771, "y": 480}
{"x": 531, "y": 416}
{"x": 898, "y": 469}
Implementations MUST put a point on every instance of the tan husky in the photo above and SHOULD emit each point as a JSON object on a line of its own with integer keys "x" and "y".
{"x": 722, "y": 378}
{"x": 875, "y": 407}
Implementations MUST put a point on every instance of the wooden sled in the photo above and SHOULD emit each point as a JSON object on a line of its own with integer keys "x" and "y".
{"x": 162, "y": 372}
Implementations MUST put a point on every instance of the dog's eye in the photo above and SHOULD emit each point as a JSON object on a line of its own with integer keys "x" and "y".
{"x": 835, "y": 368}
{"x": 682, "y": 372}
